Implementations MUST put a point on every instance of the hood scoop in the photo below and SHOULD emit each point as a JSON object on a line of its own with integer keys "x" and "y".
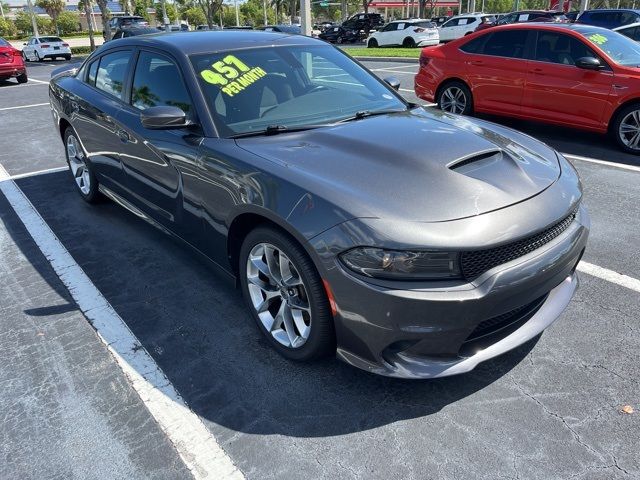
{"x": 476, "y": 161}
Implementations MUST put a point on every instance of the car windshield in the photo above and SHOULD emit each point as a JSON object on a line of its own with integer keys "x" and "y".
{"x": 250, "y": 90}
{"x": 618, "y": 48}
{"x": 50, "y": 39}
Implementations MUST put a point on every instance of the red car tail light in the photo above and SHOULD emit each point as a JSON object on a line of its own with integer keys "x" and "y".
{"x": 45, "y": 45}
{"x": 17, "y": 53}
{"x": 424, "y": 61}
{"x": 418, "y": 30}
{"x": 65, "y": 44}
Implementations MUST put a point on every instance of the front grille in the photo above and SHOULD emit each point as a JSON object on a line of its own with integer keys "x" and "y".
{"x": 475, "y": 263}
{"x": 499, "y": 322}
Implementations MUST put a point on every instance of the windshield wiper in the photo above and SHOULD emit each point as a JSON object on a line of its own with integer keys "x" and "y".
{"x": 276, "y": 129}
{"x": 369, "y": 113}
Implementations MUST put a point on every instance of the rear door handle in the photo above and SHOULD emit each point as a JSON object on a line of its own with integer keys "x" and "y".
{"x": 476, "y": 62}
{"x": 537, "y": 71}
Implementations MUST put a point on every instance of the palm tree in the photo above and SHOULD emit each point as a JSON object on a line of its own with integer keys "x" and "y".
{"x": 87, "y": 7}
{"x": 53, "y": 8}
{"x": 280, "y": 7}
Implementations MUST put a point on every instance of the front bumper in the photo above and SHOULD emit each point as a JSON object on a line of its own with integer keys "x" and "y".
{"x": 428, "y": 332}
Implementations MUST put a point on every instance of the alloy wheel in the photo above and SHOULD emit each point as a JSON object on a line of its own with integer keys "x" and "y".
{"x": 453, "y": 100}
{"x": 78, "y": 165}
{"x": 629, "y": 130}
{"x": 278, "y": 295}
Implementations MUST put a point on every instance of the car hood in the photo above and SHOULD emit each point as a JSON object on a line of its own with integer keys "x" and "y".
{"x": 415, "y": 165}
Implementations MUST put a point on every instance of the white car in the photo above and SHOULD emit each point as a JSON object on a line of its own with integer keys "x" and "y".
{"x": 408, "y": 33}
{"x": 632, "y": 31}
{"x": 39, "y": 48}
{"x": 461, "y": 25}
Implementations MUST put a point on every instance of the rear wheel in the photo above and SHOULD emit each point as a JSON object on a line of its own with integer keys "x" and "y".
{"x": 37, "y": 56}
{"x": 22, "y": 78}
{"x": 455, "y": 97}
{"x": 24, "y": 56}
{"x": 373, "y": 43}
{"x": 80, "y": 167}
{"x": 339, "y": 40}
{"x": 626, "y": 129}
{"x": 409, "y": 42}
{"x": 67, "y": 57}
{"x": 285, "y": 295}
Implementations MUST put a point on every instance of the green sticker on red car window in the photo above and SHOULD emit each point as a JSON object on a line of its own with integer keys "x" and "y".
{"x": 232, "y": 75}
{"x": 598, "y": 39}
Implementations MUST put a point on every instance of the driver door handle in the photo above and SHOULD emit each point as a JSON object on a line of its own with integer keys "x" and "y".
{"x": 124, "y": 136}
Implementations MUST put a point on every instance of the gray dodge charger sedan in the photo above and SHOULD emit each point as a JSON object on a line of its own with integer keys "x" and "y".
{"x": 409, "y": 243}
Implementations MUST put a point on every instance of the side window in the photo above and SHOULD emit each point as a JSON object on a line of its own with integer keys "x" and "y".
{"x": 451, "y": 23}
{"x": 401, "y": 26}
{"x": 463, "y": 21}
{"x": 157, "y": 81}
{"x": 111, "y": 73}
{"x": 627, "y": 17}
{"x": 91, "y": 73}
{"x": 390, "y": 28}
{"x": 523, "y": 17}
{"x": 476, "y": 45}
{"x": 559, "y": 48}
{"x": 507, "y": 43}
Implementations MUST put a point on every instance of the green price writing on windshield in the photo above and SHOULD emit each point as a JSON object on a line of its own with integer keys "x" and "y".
{"x": 232, "y": 75}
{"x": 598, "y": 39}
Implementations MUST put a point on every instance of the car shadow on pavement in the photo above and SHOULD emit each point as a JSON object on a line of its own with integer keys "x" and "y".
{"x": 197, "y": 329}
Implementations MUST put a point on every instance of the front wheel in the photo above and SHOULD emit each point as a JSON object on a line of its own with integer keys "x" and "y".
{"x": 626, "y": 129}
{"x": 455, "y": 97}
{"x": 81, "y": 168}
{"x": 373, "y": 43}
{"x": 339, "y": 40}
{"x": 285, "y": 295}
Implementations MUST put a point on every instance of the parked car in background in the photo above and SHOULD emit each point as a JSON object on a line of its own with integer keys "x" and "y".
{"x": 293, "y": 29}
{"x": 206, "y": 27}
{"x": 408, "y": 33}
{"x": 323, "y": 26}
{"x": 133, "y": 31}
{"x": 342, "y": 242}
{"x": 339, "y": 35}
{"x": 609, "y": 18}
{"x": 524, "y": 16}
{"x": 11, "y": 63}
{"x": 574, "y": 75}
{"x": 462, "y": 25}
{"x": 440, "y": 20}
{"x": 572, "y": 16}
{"x": 124, "y": 21}
{"x": 632, "y": 31}
{"x": 364, "y": 21}
{"x": 37, "y": 49}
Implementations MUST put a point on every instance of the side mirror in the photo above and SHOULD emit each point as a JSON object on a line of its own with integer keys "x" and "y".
{"x": 590, "y": 63}
{"x": 163, "y": 118}
{"x": 393, "y": 82}
{"x": 24, "y": 43}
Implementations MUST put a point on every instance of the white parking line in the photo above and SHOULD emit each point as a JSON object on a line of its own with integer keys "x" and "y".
{"x": 197, "y": 447}
{"x": 610, "y": 276}
{"x": 38, "y": 81}
{"x": 602, "y": 162}
{"x": 34, "y": 174}
{"x": 393, "y": 70}
{"x": 24, "y": 106}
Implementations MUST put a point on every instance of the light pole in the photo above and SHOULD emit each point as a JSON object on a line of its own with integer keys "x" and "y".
{"x": 264, "y": 11}
{"x": 34, "y": 24}
{"x": 305, "y": 17}
{"x": 237, "y": 14}
{"x": 165, "y": 19}
{"x": 1, "y": 9}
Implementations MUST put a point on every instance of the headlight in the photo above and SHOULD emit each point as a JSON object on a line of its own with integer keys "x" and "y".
{"x": 402, "y": 265}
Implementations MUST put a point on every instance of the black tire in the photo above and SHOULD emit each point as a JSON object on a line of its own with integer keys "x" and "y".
{"x": 409, "y": 43}
{"x": 67, "y": 57}
{"x": 93, "y": 195}
{"x": 624, "y": 141}
{"x": 373, "y": 43}
{"x": 339, "y": 40}
{"x": 321, "y": 339}
{"x": 22, "y": 78}
{"x": 37, "y": 55}
{"x": 24, "y": 57}
{"x": 451, "y": 86}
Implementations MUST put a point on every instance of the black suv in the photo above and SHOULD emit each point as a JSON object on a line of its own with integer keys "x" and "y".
{"x": 125, "y": 21}
{"x": 364, "y": 21}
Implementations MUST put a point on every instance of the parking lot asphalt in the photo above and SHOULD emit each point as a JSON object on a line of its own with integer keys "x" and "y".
{"x": 550, "y": 409}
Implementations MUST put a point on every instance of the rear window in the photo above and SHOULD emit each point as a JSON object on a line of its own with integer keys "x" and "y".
{"x": 50, "y": 39}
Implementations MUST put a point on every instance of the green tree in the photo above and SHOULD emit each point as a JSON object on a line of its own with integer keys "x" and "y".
{"x": 195, "y": 16}
{"x": 172, "y": 12}
{"x": 86, "y": 7}
{"x": 7, "y": 28}
{"x": 106, "y": 16}
{"x": 23, "y": 22}
{"x": 210, "y": 9}
{"x": 68, "y": 22}
{"x": 53, "y": 8}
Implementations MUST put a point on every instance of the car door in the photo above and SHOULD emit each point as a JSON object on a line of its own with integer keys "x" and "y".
{"x": 397, "y": 35}
{"x": 385, "y": 36}
{"x": 448, "y": 30}
{"x": 496, "y": 66}
{"x": 151, "y": 158}
{"x": 557, "y": 90}
{"x": 94, "y": 113}
{"x": 466, "y": 25}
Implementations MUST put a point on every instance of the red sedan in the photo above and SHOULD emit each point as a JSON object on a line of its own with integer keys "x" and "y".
{"x": 574, "y": 75}
{"x": 11, "y": 63}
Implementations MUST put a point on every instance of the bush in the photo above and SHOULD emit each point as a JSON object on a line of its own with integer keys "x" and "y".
{"x": 68, "y": 22}
{"x": 80, "y": 50}
{"x": 7, "y": 28}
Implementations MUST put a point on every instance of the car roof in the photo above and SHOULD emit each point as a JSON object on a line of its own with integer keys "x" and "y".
{"x": 209, "y": 41}
{"x": 612, "y": 10}
{"x": 575, "y": 27}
